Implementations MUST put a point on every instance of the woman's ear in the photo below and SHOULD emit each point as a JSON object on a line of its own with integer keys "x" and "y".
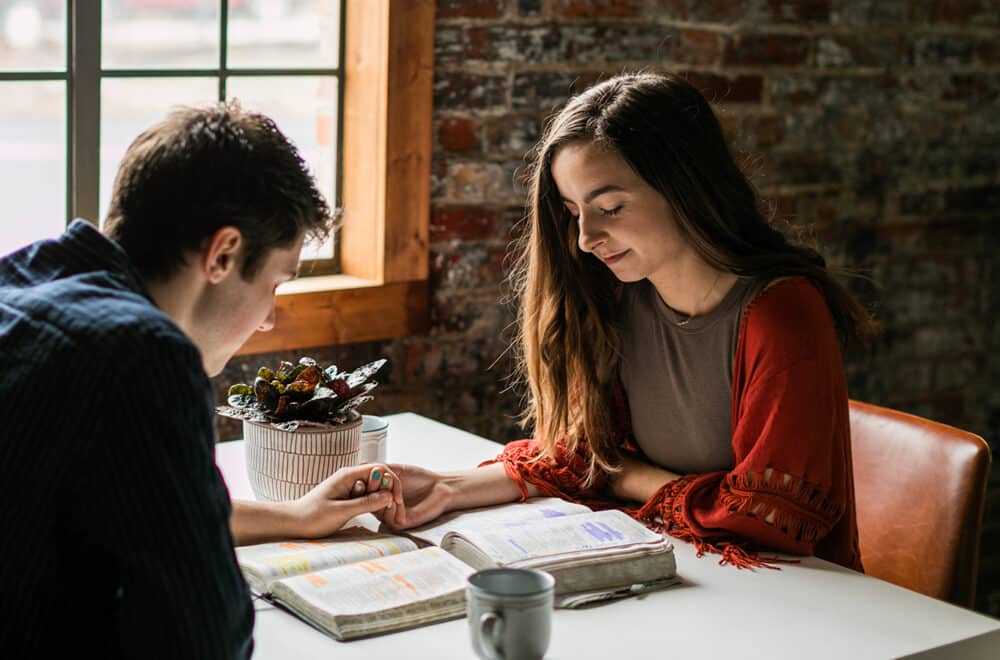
{"x": 220, "y": 256}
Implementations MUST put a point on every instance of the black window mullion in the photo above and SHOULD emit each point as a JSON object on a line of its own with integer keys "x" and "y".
{"x": 223, "y": 47}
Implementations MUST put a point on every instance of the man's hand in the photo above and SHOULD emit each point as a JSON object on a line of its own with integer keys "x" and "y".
{"x": 425, "y": 494}
{"x": 348, "y": 492}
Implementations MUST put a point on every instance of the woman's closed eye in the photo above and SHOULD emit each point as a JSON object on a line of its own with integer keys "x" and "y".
{"x": 612, "y": 212}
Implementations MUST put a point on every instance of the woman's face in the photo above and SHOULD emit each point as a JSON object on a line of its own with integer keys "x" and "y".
{"x": 622, "y": 220}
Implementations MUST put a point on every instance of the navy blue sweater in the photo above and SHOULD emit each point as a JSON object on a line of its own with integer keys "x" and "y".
{"x": 114, "y": 535}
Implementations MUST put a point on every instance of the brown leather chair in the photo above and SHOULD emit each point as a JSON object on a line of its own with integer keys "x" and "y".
{"x": 919, "y": 487}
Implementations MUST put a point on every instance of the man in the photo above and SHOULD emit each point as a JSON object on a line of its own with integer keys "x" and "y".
{"x": 116, "y": 527}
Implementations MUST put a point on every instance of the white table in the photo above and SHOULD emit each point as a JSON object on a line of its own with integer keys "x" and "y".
{"x": 813, "y": 609}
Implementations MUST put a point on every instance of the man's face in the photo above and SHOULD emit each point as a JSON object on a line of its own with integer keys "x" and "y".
{"x": 236, "y": 308}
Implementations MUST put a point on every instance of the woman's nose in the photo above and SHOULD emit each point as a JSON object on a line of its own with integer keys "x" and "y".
{"x": 591, "y": 233}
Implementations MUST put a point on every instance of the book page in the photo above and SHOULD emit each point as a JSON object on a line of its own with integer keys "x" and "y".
{"x": 591, "y": 533}
{"x": 377, "y": 584}
{"x": 514, "y": 514}
{"x": 264, "y": 563}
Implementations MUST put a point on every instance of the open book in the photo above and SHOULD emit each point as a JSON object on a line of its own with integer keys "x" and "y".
{"x": 359, "y": 583}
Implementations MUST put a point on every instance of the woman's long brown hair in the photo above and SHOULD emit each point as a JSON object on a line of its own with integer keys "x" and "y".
{"x": 567, "y": 347}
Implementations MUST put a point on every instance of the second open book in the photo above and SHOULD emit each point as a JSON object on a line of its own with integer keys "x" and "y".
{"x": 360, "y": 583}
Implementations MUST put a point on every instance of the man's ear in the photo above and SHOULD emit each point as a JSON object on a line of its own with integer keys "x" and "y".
{"x": 220, "y": 256}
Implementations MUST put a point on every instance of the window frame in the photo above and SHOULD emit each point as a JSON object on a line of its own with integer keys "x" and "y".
{"x": 386, "y": 68}
{"x": 382, "y": 291}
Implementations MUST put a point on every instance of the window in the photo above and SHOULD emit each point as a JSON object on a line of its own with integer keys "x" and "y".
{"x": 133, "y": 59}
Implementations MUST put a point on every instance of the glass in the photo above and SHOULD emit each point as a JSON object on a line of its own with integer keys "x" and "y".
{"x": 305, "y": 109}
{"x": 32, "y": 162}
{"x": 284, "y": 34}
{"x": 160, "y": 34}
{"x": 131, "y": 105}
{"x": 32, "y": 35}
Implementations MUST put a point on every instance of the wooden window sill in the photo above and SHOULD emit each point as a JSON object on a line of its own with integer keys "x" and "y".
{"x": 342, "y": 309}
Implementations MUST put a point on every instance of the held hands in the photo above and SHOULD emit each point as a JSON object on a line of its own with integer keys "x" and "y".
{"x": 348, "y": 492}
{"x": 425, "y": 496}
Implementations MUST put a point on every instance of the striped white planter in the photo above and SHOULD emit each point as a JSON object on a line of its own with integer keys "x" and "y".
{"x": 284, "y": 465}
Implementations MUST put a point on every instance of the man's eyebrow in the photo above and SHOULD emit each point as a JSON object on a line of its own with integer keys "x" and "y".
{"x": 597, "y": 192}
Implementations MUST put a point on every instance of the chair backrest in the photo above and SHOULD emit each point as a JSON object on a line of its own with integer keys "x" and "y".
{"x": 919, "y": 488}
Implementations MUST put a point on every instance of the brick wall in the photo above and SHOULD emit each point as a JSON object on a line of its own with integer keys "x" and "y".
{"x": 874, "y": 125}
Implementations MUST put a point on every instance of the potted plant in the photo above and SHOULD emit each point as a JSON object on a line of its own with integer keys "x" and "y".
{"x": 300, "y": 423}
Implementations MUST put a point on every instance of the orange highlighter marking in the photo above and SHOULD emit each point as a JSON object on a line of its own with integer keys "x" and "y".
{"x": 315, "y": 579}
{"x": 402, "y": 581}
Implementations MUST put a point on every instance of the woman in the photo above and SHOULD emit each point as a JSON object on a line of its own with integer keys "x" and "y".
{"x": 682, "y": 356}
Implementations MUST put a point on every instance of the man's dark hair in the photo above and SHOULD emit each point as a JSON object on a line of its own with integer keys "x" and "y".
{"x": 205, "y": 168}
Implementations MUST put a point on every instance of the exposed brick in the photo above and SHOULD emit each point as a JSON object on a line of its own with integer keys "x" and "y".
{"x": 981, "y": 199}
{"x": 799, "y": 11}
{"x": 470, "y": 8}
{"x": 439, "y": 177}
{"x": 620, "y": 42}
{"x": 465, "y": 223}
{"x": 510, "y": 134}
{"x": 862, "y": 50}
{"x": 546, "y": 91}
{"x": 529, "y": 7}
{"x": 767, "y": 49}
{"x": 468, "y": 266}
{"x": 730, "y": 125}
{"x": 699, "y": 47}
{"x": 468, "y": 91}
{"x": 473, "y": 315}
{"x": 981, "y": 87}
{"x": 478, "y": 182}
{"x": 800, "y": 166}
{"x": 458, "y": 134}
{"x": 449, "y": 45}
{"x": 595, "y": 8}
{"x": 951, "y": 11}
{"x": 722, "y": 89}
{"x": 988, "y": 51}
{"x": 871, "y": 13}
{"x": 942, "y": 50}
{"x": 704, "y": 11}
{"x": 762, "y": 130}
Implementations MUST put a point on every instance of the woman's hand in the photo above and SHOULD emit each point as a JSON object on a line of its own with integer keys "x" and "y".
{"x": 425, "y": 496}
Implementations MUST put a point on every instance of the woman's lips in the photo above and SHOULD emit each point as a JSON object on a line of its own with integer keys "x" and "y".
{"x": 614, "y": 258}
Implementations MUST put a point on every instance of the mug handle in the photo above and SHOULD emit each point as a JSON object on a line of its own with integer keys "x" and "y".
{"x": 490, "y": 632}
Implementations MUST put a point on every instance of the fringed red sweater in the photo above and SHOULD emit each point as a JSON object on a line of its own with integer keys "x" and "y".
{"x": 791, "y": 489}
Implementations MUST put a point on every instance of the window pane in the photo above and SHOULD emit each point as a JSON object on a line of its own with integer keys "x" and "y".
{"x": 159, "y": 34}
{"x": 32, "y": 162}
{"x": 32, "y": 35}
{"x": 284, "y": 34}
{"x": 305, "y": 109}
{"x": 131, "y": 105}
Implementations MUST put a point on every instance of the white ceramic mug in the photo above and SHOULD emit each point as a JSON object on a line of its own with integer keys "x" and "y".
{"x": 374, "y": 438}
{"x": 510, "y": 613}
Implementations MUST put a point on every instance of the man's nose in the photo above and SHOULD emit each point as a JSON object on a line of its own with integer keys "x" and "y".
{"x": 268, "y": 323}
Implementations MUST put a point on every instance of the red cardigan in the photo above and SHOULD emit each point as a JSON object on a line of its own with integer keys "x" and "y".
{"x": 792, "y": 487}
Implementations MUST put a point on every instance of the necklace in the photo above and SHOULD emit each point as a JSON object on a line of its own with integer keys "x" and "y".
{"x": 694, "y": 313}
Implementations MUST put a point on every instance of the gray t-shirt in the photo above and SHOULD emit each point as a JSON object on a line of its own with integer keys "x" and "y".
{"x": 679, "y": 378}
